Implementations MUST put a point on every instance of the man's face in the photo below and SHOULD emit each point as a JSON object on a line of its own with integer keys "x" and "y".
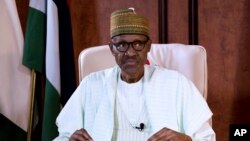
{"x": 130, "y": 61}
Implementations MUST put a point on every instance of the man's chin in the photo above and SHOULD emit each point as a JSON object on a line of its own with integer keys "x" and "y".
{"x": 130, "y": 70}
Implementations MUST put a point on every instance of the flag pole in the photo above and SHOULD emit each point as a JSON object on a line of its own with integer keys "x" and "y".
{"x": 32, "y": 97}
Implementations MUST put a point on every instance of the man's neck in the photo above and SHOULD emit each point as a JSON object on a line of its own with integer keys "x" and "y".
{"x": 131, "y": 78}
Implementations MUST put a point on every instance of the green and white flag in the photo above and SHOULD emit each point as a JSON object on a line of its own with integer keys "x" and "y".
{"x": 52, "y": 64}
{"x": 50, "y": 53}
{"x": 14, "y": 77}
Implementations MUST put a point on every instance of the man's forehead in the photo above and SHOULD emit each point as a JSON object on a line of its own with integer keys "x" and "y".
{"x": 129, "y": 37}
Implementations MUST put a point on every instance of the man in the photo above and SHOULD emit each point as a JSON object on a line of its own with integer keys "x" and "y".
{"x": 134, "y": 101}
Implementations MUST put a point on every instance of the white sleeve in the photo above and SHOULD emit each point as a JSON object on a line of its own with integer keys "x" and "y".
{"x": 205, "y": 133}
{"x": 70, "y": 118}
{"x": 196, "y": 112}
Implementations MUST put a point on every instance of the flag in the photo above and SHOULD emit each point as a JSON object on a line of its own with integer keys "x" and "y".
{"x": 49, "y": 50}
{"x": 14, "y": 77}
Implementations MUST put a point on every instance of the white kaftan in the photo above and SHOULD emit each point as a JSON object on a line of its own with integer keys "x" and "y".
{"x": 171, "y": 101}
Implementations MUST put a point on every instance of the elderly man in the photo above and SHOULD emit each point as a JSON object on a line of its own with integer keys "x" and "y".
{"x": 133, "y": 101}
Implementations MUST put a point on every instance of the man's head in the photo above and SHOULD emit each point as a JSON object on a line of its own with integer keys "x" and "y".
{"x": 130, "y": 42}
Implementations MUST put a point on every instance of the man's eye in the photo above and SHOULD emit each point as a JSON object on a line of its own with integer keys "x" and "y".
{"x": 137, "y": 43}
{"x": 121, "y": 45}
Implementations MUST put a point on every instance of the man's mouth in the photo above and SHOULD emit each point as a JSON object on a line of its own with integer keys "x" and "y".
{"x": 131, "y": 61}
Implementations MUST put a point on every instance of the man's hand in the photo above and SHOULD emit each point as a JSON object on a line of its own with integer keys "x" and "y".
{"x": 80, "y": 135}
{"x": 166, "y": 134}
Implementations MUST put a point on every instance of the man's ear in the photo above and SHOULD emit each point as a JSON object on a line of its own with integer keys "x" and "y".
{"x": 111, "y": 48}
{"x": 149, "y": 43}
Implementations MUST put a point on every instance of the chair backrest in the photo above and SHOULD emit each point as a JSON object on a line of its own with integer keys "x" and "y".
{"x": 190, "y": 60}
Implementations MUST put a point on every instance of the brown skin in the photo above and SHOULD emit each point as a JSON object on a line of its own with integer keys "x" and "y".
{"x": 166, "y": 134}
{"x": 80, "y": 135}
{"x": 132, "y": 63}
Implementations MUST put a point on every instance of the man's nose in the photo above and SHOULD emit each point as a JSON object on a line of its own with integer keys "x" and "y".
{"x": 131, "y": 51}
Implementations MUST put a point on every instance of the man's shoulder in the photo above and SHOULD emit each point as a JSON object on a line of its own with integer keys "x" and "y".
{"x": 102, "y": 73}
{"x": 159, "y": 71}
